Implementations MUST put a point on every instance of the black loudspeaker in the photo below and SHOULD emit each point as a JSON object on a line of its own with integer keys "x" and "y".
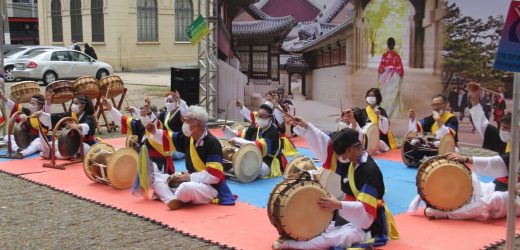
{"x": 186, "y": 81}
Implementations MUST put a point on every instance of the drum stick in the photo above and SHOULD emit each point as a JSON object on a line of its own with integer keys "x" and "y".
{"x": 490, "y": 91}
{"x": 283, "y": 112}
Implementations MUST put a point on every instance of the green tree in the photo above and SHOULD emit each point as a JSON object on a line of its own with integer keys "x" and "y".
{"x": 375, "y": 16}
{"x": 470, "y": 47}
{"x": 384, "y": 19}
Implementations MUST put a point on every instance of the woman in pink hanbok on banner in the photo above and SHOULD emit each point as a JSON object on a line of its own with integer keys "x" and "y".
{"x": 390, "y": 76}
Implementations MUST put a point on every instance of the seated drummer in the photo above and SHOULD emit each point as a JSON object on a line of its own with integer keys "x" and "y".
{"x": 362, "y": 215}
{"x": 171, "y": 118}
{"x": 375, "y": 114}
{"x": 440, "y": 123}
{"x": 489, "y": 200}
{"x": 136, "y": 126}
{"x": 266, "y": 137}
{"x": 31, "y": 125}
{"x": 278, "y": 121}
{"x": 204, "y": 182}
{"x": 81, "y": 110}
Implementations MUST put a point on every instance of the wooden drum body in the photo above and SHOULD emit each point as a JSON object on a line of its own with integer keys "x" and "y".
{"x": 69, "y": 142}
{"x": 417, "y": 146}
{"x": 63, "y": 91}
{"x": 22, "y": 92}
{"x": 113, "y": 84}
{"x": 443, "y": 184}
{"x": 87, "y": 86}
{"x": 103, "y": 164}
{"x": 293, "y": 208}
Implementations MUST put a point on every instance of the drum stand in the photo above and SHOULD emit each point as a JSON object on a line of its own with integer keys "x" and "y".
{"x": 52, "y": 147}
{"x": 101, "y": 111}
{"x": 10, "y": 154}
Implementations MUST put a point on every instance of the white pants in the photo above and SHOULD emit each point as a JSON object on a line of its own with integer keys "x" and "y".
{"x": 192, "y": 192}
{"x": 31, "y": 149}
{"x": 344, "y": 236}
{"x": 45, "y": 149}
{"x": 490, "y": 205}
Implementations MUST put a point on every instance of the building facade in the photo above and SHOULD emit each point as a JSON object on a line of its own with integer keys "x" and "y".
{"x": 23, "y": 22}
{"x": 130, "y": 35}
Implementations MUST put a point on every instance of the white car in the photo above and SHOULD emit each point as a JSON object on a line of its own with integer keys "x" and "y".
{"x": 53, "y": 64}
{"x": 18, "y": 52}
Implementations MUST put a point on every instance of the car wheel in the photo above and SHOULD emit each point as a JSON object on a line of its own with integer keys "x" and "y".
{"x": 9, "y": 77}
{"x": 49, "y": 77}
{"x": 101, "y": 73}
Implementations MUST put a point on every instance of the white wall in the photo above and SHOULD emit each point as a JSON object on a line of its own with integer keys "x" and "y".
{"x": 328, "y": 85}
{"x": 231, "y": 86}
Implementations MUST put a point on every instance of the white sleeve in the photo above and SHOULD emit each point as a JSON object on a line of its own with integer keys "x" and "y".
{"x": 492, "y": 166}
{"x": 441, "y": 132}
{"x": 157, "y": 137}
{"x": 318, "y": 140}
{"x": 183, "y": 108}
{"x": 47, "y": 107}
{"x": 204, "y": 177}
{"x": 116, "y": 116}
{"x": 84, "y": 128}
{"x": 245, "y": 113}
{"x": 45, "y": 119}
{"x": 383, "y": 125}
{"x": 412, "y": 125}
{"x": 228, "y": 132}
{"x": 9, "y": 104}
{"x": 358, "y": 129}
{"x": 355, "y": 213}
{"x": 278, "y": 116}
{"x": 479, "y": 119}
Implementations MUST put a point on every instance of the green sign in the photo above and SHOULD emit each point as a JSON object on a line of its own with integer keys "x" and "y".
{"x": 197, "y": 30}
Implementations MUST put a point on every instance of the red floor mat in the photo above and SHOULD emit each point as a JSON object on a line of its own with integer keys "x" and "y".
{"x": 392, "y": 155}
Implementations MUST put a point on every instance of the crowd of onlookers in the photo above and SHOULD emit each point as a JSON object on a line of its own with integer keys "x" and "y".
{"x": 493, "y": 104}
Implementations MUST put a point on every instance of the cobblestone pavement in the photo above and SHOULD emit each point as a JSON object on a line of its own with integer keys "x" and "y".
{"x": 33, "y": 216}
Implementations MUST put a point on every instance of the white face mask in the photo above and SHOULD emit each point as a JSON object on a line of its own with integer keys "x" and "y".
{"x": 371, "y": 100}
{"x": 262, "y": 123}
{"x": 186, "y": 129}
{"x": 170, "y": 106}
{"x": 340, "y": 159}
{"x": 32, "y": 108}
{"x": 441, "y": 112}
{"x": 74, "y": 108}
{"x": 505, "y": 136}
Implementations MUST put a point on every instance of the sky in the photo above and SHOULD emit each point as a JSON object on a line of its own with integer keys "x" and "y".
{"x": 482, "y": 8}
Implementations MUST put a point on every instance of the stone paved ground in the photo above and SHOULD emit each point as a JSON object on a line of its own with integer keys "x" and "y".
{"x": 33, "y": 216}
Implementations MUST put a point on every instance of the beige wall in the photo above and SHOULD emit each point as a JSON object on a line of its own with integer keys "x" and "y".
{"x": 328, "y": 85}
{"x": 231, "y": 86}
{"x": 121, "y": 48}
{"x": 433, "y": 36}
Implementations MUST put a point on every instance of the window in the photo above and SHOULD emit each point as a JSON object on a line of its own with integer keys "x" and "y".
{"x": 183, "y": 18}
{"x": 79, "y": 57}
{"x": 98, "y": 23}
{"x": 76, "y": 25}
{"x": 147, "y": 21}
{"x": 319, "y": 59}
{"x": 335, "y": 56}
{"x": 57, "y": 29}
{"x": 60, "y": 56}
{"x": 326, "y": 58}
{"x": 343, "y": 53}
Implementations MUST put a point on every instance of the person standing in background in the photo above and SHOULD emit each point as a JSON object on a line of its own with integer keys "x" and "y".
{"x": 90, "y": 51}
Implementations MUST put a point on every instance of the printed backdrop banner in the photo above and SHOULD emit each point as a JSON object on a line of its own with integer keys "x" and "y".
{"x": 508, "y": 54}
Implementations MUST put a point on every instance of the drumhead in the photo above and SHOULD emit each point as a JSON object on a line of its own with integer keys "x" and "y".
{"x": 247, "y": 163}
{"x": 131, "y": 141}
{"x": 92, "y": 172}
{"x": 299, "y": 162}
{"x": 371, "y": 138}
{"x": 407, "y": 147}
{"x": 122, "y": 168}
{"x": 445, "y": 185}
{"x": 331, "y": 182}
{"x": 447, "y": 145}
{"x": 299, "y": 213}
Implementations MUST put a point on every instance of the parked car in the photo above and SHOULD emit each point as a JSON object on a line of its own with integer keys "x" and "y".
{"x": 9, "y": 47}
{"x": 15, "y": 53}
{"x": 53, "y": 64}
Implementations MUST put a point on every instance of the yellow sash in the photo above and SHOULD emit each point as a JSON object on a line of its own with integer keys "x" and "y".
{"x": 157, "y": 146}
{"x": 195, "y": 158}
{"x": 373, "y": 119}
{"x": 393, "y": 233}
{"x": 444, "y": 118}
{"x": 74, "y": 116}
{"x": 508, "y": 147}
